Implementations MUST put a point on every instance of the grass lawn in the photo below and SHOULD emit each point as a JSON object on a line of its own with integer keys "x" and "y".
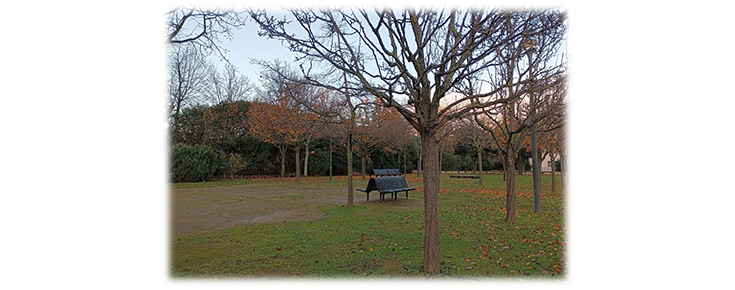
{"x": 385, "y": 239}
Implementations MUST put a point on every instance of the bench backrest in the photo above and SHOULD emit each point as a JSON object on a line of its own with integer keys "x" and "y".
{"x": 377, "y": 172}
{"x": 386, "y": 172}
{"x": 389, "y": 183}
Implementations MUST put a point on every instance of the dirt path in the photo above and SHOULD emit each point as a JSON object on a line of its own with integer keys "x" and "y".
{"x": 200, "y": 210}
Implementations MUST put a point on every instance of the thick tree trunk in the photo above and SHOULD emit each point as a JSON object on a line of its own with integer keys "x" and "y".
{"x": 418, "y": 166}
{"x": 479, "y": 164}
{"x": 510, "y": 191}
{"x": 441, "y": 155}
{"x": 505, "y": 169}
{"x": 350, "y": 194}
{"x": 431, "y": 216}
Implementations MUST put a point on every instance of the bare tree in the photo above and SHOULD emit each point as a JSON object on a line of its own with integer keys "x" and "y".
{"x": 411, "y": 60}
{"x": 329, "y": 105}
{"x": 511, "y": 122}
{"x": 474, "y": 136}
{"x": 187, "y": 69}
{"x": 201, "y": 28}
{"x": 227, "y": 87}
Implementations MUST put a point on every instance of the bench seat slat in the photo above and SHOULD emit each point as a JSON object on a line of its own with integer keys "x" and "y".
{"x": 398, "y": 189}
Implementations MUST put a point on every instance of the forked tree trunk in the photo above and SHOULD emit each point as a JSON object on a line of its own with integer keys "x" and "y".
{"x": 431, "y": 216}
{"x": 510, "y": 191}
{"x": 283, "y": 159}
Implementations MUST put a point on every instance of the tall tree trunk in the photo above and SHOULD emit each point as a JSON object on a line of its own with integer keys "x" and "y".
{"x": 362, "y": 161}
{"x": 439, "y": 166}
{"x": 431, "y": 216}
{"x": 283, "y": 149}
{"x": 521, "y": 165}
{"x": 441, "y": 155}
{"x": 479, "y": 164}
{"x": 405, "y": 169}
{"x": 297, "y": 148}
{"x": 553, "y": 174}
{"x": 510, "y": 191}
{"x": 350, "y": 194}
{"x": 473, "y": 160}
{"x": 306, "y": 157}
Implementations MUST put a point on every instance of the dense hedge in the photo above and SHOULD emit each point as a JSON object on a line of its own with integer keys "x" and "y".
{"x": 194, "y": 163}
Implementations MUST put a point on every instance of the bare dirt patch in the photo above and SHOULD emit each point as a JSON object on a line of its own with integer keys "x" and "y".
{"x": 200, "y": 210}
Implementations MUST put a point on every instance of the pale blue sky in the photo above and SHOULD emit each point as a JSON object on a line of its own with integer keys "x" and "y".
{"x": 246, "y": 44}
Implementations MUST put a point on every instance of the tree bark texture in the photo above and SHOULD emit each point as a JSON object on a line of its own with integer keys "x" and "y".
{"x": 431, "y": 215}
{"x": 510, "y": 190}
{"x": 418, "y": 165}
{"x": 362, "y": 163}
{"x": 350, "y": 194}
{"x": 536, "y": 168}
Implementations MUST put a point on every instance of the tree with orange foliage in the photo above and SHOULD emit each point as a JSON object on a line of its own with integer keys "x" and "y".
{"x": 376, "y": 128}
{"x": 271, "y": 124}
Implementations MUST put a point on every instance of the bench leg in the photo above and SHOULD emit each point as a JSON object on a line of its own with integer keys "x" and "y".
{"x": 368, "y": 195}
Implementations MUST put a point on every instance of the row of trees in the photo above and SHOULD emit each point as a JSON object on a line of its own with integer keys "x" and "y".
{"x": 255, "y": 138}
{"x": 498, "y": 70}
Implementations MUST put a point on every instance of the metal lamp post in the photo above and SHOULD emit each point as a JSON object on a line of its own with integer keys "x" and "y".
{"x": 529, "y": 46}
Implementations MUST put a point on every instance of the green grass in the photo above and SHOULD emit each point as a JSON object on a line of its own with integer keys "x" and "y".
{"x": 386, "y": 240}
